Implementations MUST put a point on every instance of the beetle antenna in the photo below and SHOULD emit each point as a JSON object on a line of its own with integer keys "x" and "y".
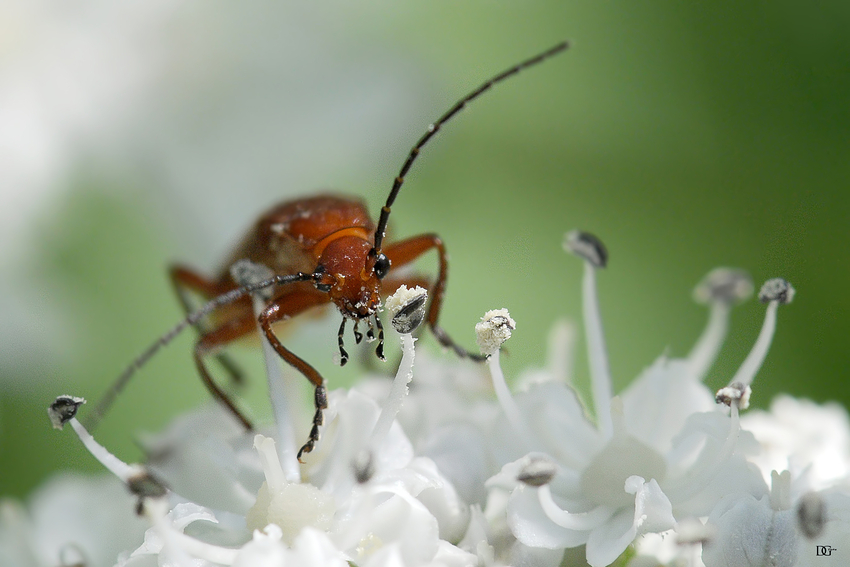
{"x": 381, "y": 230}
{"x": 94, "y": 417}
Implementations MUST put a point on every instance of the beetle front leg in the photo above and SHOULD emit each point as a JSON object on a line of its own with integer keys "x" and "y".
{"x": 406, "y": 251}
{"x": 281, "y": 309}
{"x": 211, "y": 343}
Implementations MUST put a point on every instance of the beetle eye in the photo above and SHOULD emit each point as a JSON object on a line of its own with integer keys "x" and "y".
{"x": 382, "y": 266}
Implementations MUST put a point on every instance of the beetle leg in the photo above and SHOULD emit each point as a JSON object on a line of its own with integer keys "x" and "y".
{"x": 184, "y": 280}
{"x": 380, "y": 350}
{"x": 282, "y": 308}
{"x": 343, "y": 356}
{"x": 406, "y": 251}
{"x": 358, "y": 336}
{"x": 211, "y": 342}
{"x": 370, "y": 333}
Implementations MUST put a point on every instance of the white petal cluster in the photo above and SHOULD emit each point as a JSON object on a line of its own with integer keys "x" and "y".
{"x": 460, "y": 471}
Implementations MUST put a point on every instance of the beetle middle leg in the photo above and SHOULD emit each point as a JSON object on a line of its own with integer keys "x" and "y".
{"x": 406, "y": 251}
{"x": 210, "y": 343}
{"x": 185, "y": 280}
{"x": 283, "y": 308}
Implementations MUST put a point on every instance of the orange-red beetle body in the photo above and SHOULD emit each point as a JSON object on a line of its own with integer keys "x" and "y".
{"x": 320, "y": 250}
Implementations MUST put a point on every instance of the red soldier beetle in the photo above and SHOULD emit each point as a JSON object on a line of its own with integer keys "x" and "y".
{"x": 321, "y": 250}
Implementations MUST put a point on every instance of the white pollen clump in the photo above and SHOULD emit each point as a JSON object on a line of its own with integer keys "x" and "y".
{"x": 493, "y": 330}
{"x": 402, "y": 297}
{"x": 732, "y": 393}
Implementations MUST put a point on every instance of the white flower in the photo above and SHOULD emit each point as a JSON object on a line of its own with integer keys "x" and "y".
{"x": 770, "y": 530}
{"x": 363, "y": 496}
{"x": 69, "y": 519}
{"x": 659, "y": 452}
{"x": 810, "y": 440}
{"x": 661, "y": 467}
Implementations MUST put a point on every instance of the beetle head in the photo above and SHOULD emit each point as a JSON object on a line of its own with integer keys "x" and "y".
{"x": 351, "y": 273}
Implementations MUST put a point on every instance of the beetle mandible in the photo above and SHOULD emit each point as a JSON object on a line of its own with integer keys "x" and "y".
{"x": 323, "y": 249}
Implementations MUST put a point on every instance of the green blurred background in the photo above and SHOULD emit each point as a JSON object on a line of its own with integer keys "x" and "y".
{"x": 687, "y": 135}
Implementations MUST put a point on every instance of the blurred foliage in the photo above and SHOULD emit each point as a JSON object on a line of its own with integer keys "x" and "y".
{"x": 686, "y": 135}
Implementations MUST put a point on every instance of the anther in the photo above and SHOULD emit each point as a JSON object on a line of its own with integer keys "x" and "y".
{"x": 407, "y": 307}
{"x": 144, "y": 485}
{"x": 364, "y": 466}
{"x": 537, "y": 472}
{"x": 726, "y": 285}
{"x": 493, "y": 330}
{"x": 735, "y": 392}
{"x": 586, "y": 246}
{"x": 776, "y": 289}
{"x": 811, "y": 514}
{"x": 63, "y": 409}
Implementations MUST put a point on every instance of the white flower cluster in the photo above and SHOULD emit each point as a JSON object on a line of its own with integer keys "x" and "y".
{"x": 665, "y": 473}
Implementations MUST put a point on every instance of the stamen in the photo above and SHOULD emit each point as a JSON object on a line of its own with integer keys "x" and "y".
{"x": 811, "y": 514}
{"x": 561, "y": 351}
{"x": 62, "y": 411}
{"x": 584, "y": 521}
{"x": 407, "y": 307}
{"x": 591, "y": 249}
{"x": 398, "y": 392}
{"x": 775, "y": 292}
{"x": 720, "y": 289}
{"x": 493, "y": 330}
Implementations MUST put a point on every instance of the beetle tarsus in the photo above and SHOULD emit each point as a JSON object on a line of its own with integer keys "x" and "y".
{"x": 380, "y": 350}
{"x": 321, "y": 400}
{"x": 343, "y": 355}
